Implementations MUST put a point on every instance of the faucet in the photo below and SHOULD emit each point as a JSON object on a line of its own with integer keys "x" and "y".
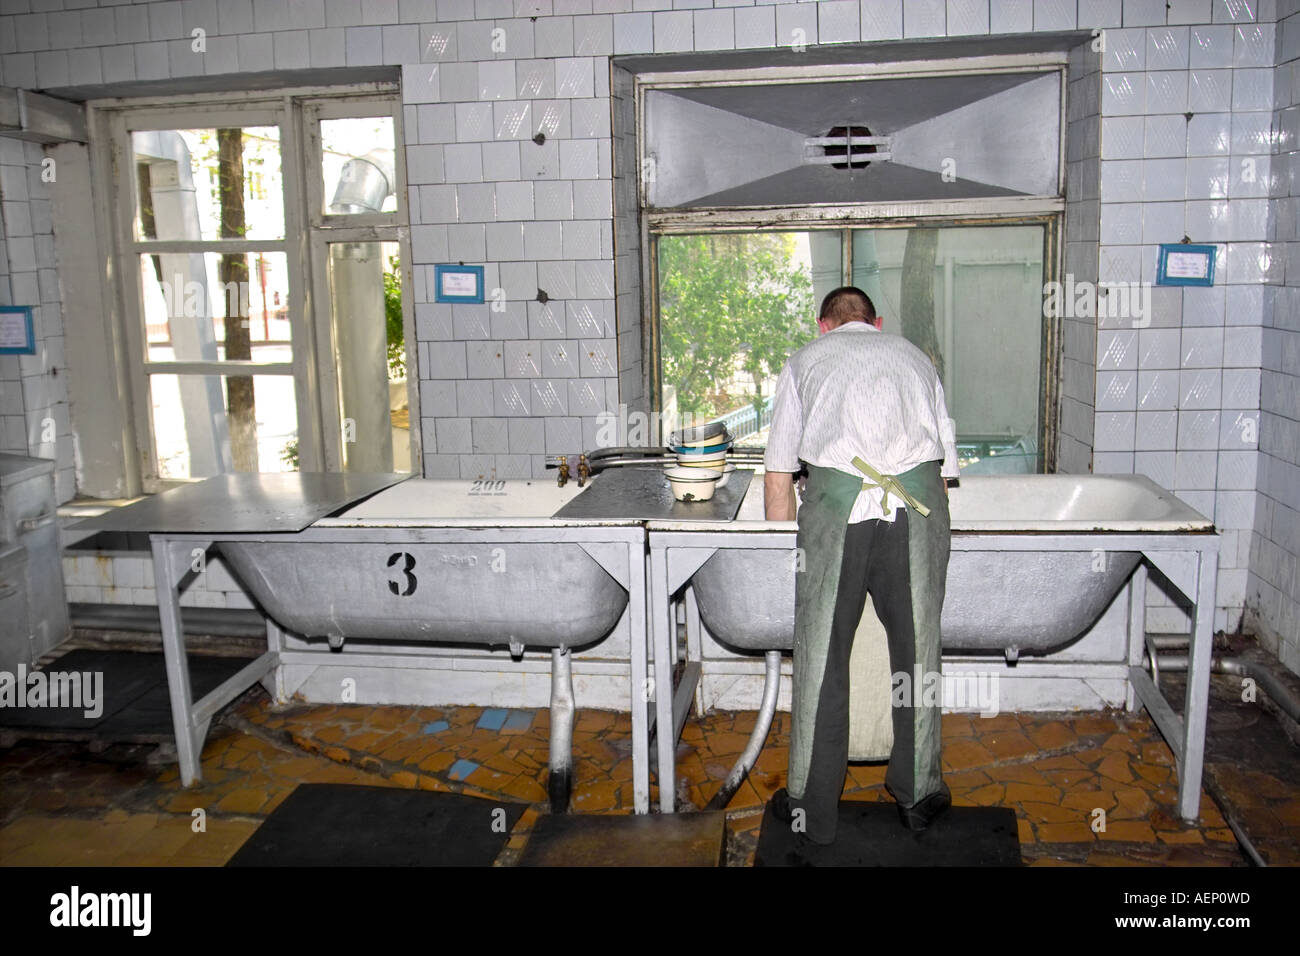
{"x": 584, "y": 470}
{"x": 564, "y": 470}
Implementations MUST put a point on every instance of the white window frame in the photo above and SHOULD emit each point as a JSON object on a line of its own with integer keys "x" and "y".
{"x": 307, "y": 232}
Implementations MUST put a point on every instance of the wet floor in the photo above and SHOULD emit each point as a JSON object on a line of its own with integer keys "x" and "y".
{"x": 1095, "y": 789}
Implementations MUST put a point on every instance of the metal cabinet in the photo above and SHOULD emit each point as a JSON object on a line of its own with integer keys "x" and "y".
{"x": 33, "y": 604}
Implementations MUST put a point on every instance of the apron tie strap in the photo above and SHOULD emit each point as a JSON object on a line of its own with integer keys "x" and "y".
{"x": 887, "y": 484}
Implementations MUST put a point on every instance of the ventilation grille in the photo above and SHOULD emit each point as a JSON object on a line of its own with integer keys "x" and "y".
{"x": 846, "y": 147}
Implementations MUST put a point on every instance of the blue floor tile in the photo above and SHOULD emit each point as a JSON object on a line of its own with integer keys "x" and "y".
{"x": 492, "y": 719}
{"x": 437, "y": 727}
{"x": 461, "y": 769}
{"x": 519, "y": 720}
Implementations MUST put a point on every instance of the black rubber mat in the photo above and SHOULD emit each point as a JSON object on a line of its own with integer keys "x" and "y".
{"x": 134, "y": 694}
{"x": 669, "y": 839}
{"x": 870, "y": 834}
{"x": 331, "y": 824}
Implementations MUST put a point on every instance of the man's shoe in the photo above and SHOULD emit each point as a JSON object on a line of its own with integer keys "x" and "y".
{"x": 924, "y": 812}
{"x": 781, "y": 806}
{"x": 783, "y": 811}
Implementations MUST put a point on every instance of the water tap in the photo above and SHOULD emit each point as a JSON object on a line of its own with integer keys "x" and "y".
{"x": 564, "y": 470}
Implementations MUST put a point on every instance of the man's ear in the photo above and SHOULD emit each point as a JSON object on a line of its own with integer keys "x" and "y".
{"x": 878, "y": 321}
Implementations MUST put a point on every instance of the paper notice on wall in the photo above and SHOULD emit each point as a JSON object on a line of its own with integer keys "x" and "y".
{"x": 15, "y": 331}
{"x": 1187, "y": 265}
{"x": 459, "y": 283}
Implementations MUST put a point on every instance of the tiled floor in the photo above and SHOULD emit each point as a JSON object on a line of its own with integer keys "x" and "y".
{"x": 61, "y": 804}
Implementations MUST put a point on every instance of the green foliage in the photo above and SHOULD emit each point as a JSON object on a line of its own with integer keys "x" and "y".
{"x": 729, "y": 302}
{"x": 393, "y": 318}
{"x": 289, "y": 455}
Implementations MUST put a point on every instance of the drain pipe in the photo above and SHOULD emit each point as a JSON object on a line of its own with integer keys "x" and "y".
{"x": 560, "y": 781}
{"x": 1259, "y": 672}
{"x": 762, "y": 724}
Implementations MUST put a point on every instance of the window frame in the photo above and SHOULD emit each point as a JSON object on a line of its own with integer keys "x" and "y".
{"x": 296, "y": 112}
{"x": 1047, "y": 210}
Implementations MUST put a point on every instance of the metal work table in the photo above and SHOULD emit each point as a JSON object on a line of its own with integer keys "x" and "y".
{"x": 1188, "y": 561}
{"x": 183, "y": 526}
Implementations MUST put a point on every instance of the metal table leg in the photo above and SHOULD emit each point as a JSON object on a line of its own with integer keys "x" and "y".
{"x": 661, "y": 628}
{"x": 1198, "y": 689}
{"x": 639, "y": 693}
{"x": 170, "y": 568}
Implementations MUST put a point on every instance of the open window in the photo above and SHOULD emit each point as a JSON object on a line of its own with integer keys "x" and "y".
{"x": 261, "y": 268}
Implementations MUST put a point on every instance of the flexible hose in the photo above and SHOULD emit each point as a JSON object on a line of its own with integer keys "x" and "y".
{"x": 762, "y": 724}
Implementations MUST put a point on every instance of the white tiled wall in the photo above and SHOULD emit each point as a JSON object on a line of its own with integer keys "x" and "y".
{"x": 34, "y": 416}
{"x": 1177, "y": 401}
{"x": 1271, "y": 548}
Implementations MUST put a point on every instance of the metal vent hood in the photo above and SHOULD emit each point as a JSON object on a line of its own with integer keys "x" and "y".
{"x": 949, "y": 137}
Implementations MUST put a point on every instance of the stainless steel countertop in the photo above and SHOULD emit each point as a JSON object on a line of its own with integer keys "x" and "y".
{"x": 242, "y": 504}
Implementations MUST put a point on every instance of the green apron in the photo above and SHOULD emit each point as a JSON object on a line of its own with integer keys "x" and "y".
{"x": 823, "y": 519}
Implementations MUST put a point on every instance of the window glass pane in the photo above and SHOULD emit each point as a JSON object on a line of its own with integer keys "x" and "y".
{"x": 208, "y": 183}
{"x": 213, "y": 307}
{"x": 206, "y": 425}
{"x": 357, "y": 165}
{"x": 972, "y": 298}
{"x": 732, "y": 307}
{"x": 370, "y": 355}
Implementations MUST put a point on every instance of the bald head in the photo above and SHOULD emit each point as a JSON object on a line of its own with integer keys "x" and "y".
{"x": 846, "y": 304}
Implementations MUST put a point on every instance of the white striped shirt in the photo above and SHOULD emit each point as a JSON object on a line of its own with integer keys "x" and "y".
{"x": 858, "y": 391}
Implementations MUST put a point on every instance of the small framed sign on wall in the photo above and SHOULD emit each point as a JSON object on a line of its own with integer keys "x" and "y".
{"x": 17, "y": 332}
{"x": 1184, "y": 263}
{"x": 458, "y": 283}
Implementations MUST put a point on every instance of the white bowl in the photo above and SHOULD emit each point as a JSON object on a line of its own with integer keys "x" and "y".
{"x": 726, "y": 475}
{"x": 713, "y": 460}
{"x": 692, "y": 484}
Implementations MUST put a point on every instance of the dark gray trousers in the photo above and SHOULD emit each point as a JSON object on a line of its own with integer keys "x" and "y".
{"x": 877, "y": 560}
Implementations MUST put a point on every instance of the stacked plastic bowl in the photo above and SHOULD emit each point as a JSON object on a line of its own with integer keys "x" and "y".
{"x": 702, "y": 464}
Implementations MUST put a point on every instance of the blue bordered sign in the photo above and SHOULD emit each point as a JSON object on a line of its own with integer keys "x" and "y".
{"x": 17, "y": 333}
{"x": 1183, "y": 263}
{"x": 458, "y": 283}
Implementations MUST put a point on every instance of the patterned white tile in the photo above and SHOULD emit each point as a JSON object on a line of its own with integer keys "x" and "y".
{"x": 1165, "y": 136}
{"x": 924, "y": 18}
{"x": 1210, "y": 47}
{"x": 1116, "y": 391}
{"x": 967, "y": 17}
{"x": 1157, "y": 390}
{"x": 1200, "y": 388}
{"x": 1209, "y": 91}
{"x": 1114, "y": 431}
{"x": 1157, "y": 431}
{"x": 1117, "y": 349}
{"x": 1123, "y": 94}
{"x": 1156, "y": 465}
{"x": 1253, "y": 44}
{"x": 881, "y": 19}
{"x": 1209, "y": 134}
{"x": 1195, "y": 470}
{"x": 1198, "y": 430}
{"x": 1202, "y": 347}
{"x": 1122, "y": 137}
{"x": 1167, "y": 48}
